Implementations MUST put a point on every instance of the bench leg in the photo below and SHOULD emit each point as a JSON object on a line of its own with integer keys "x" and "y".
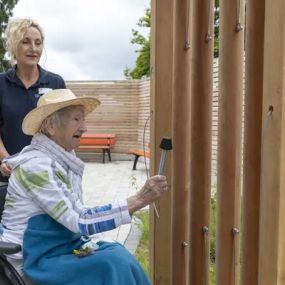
{"x": 103, "y": 150}
{"x": 109, "y": 154}
{"x": 135, "y": 161}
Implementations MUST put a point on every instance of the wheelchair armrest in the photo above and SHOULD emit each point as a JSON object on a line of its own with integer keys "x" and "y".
{"x": 9, "y": 247}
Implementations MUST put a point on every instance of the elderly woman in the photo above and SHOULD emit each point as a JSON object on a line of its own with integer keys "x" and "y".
{"x": 44, "y": 210}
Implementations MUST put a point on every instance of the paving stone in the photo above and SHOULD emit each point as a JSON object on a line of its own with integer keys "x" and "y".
{"x": 105, "y": 183}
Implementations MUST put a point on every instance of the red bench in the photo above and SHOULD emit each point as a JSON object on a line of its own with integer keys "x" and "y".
{"x": 92, "y": 142}
{"x": 137, "y": 153}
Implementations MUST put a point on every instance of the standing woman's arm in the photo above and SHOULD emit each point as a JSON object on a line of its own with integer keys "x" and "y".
{"x": 3, "y": 151}
{"x": 4, "y": 167}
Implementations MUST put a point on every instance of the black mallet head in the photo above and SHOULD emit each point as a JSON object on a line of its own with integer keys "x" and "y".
{"x": 166, "y": 144}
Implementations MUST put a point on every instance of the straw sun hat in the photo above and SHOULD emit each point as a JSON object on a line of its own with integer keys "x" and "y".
{"x": 51, "y": 102}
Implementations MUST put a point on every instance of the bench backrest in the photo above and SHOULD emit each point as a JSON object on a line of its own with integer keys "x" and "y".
{"x": 97, "y": 140}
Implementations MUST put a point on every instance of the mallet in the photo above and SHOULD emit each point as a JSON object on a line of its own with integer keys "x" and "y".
{"x": 165, "y": 145}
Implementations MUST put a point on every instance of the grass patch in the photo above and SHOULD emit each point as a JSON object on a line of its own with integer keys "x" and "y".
{"x": 142, "y": 251}
{"x": 213, "y": 223}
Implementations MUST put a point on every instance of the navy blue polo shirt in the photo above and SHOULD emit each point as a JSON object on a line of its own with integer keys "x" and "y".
{"x": 16, "y": 101}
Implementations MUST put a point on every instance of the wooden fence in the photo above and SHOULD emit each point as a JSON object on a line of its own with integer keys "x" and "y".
{"x": 124, "y": 110}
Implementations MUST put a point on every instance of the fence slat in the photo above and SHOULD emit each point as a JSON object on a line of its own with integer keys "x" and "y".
{"x": 201, "y": 117}
{"x": 229, "y": 142}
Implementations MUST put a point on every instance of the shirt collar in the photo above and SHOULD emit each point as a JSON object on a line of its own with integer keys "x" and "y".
{"x": 12, "y": 76}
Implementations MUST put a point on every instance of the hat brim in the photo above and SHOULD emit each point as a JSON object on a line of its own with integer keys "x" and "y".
{"x": 33, "y": 120}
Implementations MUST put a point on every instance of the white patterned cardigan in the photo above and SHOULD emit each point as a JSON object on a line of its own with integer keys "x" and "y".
{"x": 48, "y": 179}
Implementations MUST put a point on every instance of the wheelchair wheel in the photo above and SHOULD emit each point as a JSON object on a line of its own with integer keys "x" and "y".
{"x": 8, "y": 274}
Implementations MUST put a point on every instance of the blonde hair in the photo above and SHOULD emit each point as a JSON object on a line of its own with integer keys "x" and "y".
{"x": 15, "y": 32}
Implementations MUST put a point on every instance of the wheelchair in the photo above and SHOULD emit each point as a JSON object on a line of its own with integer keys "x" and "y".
{"x": 8, "y": 274}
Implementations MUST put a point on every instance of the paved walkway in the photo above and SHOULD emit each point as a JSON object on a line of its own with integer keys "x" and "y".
{"x": 104, "y": 183}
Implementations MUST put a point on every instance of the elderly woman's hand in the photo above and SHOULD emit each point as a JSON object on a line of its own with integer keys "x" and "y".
{"x": 150, "y": 192}
{"x": 5, "y": 169}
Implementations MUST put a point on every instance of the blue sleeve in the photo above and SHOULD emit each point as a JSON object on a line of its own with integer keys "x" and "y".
{"x": 103, "y": 218}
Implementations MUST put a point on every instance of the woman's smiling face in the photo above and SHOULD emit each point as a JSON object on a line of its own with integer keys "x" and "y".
{"x": 29, "y": 49}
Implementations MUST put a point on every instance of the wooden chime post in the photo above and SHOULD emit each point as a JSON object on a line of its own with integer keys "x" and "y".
{"x": 272, "y": 200}
{"x": 231, "y": 58}
{"x": 181, "y": 140}
{"x": 161, "y": 125}
{"x": 202, "y": 39}
{"x": 252, "y": 140}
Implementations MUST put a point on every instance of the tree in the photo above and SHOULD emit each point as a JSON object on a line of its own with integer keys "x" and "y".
{"x": 142, "y": 67}
{"x": 6, "y": 7}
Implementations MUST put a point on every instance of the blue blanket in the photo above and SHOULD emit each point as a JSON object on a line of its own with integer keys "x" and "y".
{"x": 48, "y": 258}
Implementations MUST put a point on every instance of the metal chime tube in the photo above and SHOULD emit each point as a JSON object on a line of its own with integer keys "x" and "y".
{"x": 252, "y": 139}
{"x": 161, "y": 123}
{"x": 201, "y": 117}
{"x": 181, "y": 141}
{"x": 229, "y": 141}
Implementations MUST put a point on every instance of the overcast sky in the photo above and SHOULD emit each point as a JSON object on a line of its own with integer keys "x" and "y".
{"x": 86, "y": 39}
